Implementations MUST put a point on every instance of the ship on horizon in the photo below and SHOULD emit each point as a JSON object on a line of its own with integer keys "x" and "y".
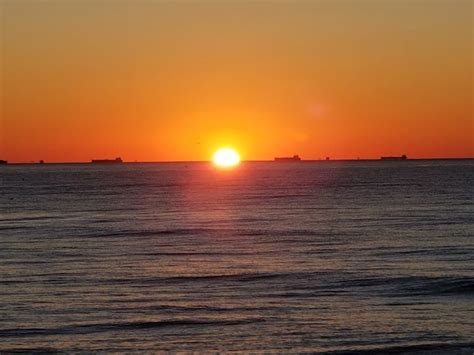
{"x": 294, "y": 158}
{"x": 403, "y": 157}
{"x": 107, "y": 161}
{"x": 3, "y": 162}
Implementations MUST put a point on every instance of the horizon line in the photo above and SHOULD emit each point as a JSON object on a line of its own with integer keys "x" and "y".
{"x": 243, "y": 161}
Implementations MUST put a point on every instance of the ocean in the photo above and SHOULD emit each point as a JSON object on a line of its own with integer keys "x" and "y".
{"x": 330, "y": 257}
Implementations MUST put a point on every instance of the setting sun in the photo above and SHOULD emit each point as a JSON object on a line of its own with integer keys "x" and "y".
{"x": 226, "y": 158}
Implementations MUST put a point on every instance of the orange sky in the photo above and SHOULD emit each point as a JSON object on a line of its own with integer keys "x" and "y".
{"x": 174, "y": 80}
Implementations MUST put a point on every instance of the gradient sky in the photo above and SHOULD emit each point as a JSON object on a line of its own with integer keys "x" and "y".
{"x": 174, "y": 80}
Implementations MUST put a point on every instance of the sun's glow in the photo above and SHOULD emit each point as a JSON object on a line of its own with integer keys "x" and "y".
{"x": 226, "y": 158}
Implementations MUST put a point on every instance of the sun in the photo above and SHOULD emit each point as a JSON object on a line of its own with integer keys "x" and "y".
{"x": 226, "y": 158}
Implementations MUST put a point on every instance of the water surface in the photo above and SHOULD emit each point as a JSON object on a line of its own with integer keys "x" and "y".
{"x": 308, "y": 257}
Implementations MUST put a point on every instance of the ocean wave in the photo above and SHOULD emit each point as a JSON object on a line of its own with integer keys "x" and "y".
{"x": 442, "y": 286}
{"x": 423, "y": 349}
{"x": 153, "y": 232}
{"x": 122, "y": 326}
{"x": 417, "y": 285}
{"x": 240, "y": 277}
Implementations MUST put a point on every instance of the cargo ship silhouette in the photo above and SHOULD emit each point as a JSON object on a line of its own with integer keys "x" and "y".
{"x": 403, "y": 157}
{"x": 288, "y": 159}
{"x": 107, "y": 161}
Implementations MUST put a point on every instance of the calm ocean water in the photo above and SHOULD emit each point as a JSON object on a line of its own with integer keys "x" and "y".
{"x": 302, "y": 257}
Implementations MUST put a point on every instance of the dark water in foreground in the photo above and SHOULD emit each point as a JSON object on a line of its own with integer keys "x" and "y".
{"x": 307, "y": 257}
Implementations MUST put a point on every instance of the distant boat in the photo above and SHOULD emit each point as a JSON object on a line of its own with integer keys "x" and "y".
{"x": 3, "y": 162}
{"x": 403, "y": 157}
{"x": 288, "y": 159}
{"x": 107, "y": 161}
